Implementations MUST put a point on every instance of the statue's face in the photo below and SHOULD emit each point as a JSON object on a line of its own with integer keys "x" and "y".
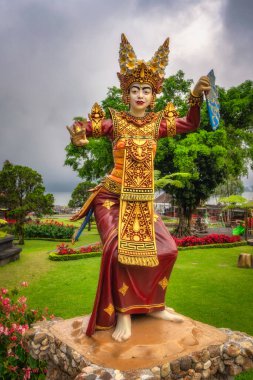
{"x": 140, "y": 96}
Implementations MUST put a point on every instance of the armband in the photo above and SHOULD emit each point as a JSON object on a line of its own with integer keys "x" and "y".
{"x": 170, "y": 114}
{"x": 96, "y": 116}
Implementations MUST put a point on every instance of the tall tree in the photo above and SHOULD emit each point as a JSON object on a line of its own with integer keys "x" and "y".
{"x": 230, "y": 186}
{"x": 204, "y": 156}
{"x": 22, "y": 192}
{"x": 80, "y": 194}
{"x": 211, "y": 157}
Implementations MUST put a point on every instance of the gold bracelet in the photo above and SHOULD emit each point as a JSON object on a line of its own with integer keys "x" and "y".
{"x": 195, "y": 100}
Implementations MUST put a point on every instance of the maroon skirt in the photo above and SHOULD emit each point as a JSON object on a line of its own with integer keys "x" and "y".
{"x": 122, "y": 288}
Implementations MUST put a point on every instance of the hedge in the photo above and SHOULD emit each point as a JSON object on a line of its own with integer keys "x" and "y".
{"x": 223, "y": 245}
{"x": 74, "y": 256}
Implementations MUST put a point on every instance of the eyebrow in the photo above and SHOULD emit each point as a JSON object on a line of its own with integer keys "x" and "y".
{"x": 144, "y": 88}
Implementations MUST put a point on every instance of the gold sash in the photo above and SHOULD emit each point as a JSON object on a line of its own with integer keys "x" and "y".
{"x": 136, "y": 233}
{"x": 136, "y": 240}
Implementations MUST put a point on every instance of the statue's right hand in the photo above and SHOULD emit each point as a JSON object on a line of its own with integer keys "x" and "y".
{"x": 78, "y": 134}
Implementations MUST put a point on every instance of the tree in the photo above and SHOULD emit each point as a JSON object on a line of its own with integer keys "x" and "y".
{"x": 80, "y": 194}
{"x": 22, "y": 192}
{"x": 175, "y": 89}
{"x": 202, "y": 155}
{"x": 231, "y": 185}
{"x": 211, "y": 157}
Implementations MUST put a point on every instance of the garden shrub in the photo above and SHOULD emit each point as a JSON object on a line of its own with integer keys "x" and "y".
{"x": 51, "y": 230}
{"x": 206, "y": 240}
{"x": 64, "y": 252}
{"x": 15, "y": 320}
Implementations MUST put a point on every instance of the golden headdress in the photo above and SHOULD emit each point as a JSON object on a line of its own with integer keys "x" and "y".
{"x": 134, "y": 70}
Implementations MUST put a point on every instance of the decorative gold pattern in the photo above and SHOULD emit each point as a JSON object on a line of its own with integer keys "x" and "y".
{"x": 163, "y": 283}
{"x": 140, "y": 121}
{"x": 124, "y": 128}
{"x": 124, "y": 289}
{"x": 108, "y": 204}
{"x": 110, "y": 309}
{"x": 147, "y": 307}
{"x": 170, "y": 115}
{"x": 136, "y": 238}
{"x": 138, "y": 181}
{"x": 112, "y": 186}
{"x": 96, "y": 116}
{"x": 195, "y": 100}
{"x": 156, "y": 217}
{"x": 103, "y": 327}
{"x": 134, "y": 70}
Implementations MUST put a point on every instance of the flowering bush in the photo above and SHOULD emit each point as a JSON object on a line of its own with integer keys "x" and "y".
{"x": 206, "y": 240}
{"x": 64, "y": 252}
{"x": 15, "y": 320}
{"x": 64, "y": 249}
{"x": 51, "y": 229}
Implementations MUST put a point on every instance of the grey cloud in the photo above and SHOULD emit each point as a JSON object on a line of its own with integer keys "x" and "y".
{"x": 58, "y": 58}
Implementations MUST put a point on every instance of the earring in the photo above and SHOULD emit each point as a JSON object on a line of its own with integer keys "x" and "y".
{"x": 126, "y": 99}
{"x": 152, "y": 104}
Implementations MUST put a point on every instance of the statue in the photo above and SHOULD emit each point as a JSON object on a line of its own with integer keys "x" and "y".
{"x": 138, "y": 251}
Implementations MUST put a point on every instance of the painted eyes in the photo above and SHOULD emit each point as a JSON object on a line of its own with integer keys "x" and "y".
{"x": 145, "y": 92}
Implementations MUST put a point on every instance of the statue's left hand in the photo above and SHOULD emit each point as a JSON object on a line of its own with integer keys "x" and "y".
{"x": 203, "y": 85}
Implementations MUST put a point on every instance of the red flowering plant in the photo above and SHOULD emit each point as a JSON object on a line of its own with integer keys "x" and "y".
{"x": 206, "y": 240}
{"x": 64, "y": 249}
{"x": 15, "y": 320}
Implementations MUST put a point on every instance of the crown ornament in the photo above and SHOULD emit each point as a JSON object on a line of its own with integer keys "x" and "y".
{"x": 134, "y": 70}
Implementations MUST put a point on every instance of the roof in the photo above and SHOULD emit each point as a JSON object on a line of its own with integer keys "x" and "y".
{"x": 163, "y": 198}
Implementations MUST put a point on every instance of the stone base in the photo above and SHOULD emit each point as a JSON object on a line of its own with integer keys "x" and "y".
{"x": 8, "y": 251}
{"x": 157, "y": 350}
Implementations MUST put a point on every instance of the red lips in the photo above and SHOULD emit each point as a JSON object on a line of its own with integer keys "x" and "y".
{"x": 139, "y": 102}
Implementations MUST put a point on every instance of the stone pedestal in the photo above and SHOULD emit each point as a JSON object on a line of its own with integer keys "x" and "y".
{"x": 8, "y": 251}
{"x": 157, "y": 350}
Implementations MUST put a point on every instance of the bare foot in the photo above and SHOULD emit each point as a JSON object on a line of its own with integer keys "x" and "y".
{"x": 122, "y": 331}
{"x": 166, "y": 315}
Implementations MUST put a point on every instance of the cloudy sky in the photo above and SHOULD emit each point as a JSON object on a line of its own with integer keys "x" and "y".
{"x": 59, "y": 57}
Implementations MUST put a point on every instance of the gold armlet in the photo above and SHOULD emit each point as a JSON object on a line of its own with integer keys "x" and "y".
{"x": 195, "y": 100}
{"x": 96, "y": 116}
{"x": 170, "y": 114}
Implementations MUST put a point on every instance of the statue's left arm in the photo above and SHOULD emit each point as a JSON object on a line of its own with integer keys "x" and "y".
{"x": 171, "y": 124}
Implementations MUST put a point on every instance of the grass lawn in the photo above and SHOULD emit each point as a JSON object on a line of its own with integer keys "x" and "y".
{"x": 205, "y": 285}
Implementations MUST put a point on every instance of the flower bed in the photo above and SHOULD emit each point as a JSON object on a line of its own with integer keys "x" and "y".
{"x": 189, "y": 241}
{"x": 64, "y": 252}
{"x": 223, "y": 245}
{"x": 15, "y": 320}
{"x": 49, "y": 230}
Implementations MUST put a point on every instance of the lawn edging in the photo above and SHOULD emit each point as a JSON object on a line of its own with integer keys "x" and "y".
{"x": 49, "y": 239}
{"x": 75, "y": 256}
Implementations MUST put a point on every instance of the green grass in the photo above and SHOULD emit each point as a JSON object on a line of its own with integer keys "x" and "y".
{"x": 245, "y": 376}
{"x": 205, "y": 285}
